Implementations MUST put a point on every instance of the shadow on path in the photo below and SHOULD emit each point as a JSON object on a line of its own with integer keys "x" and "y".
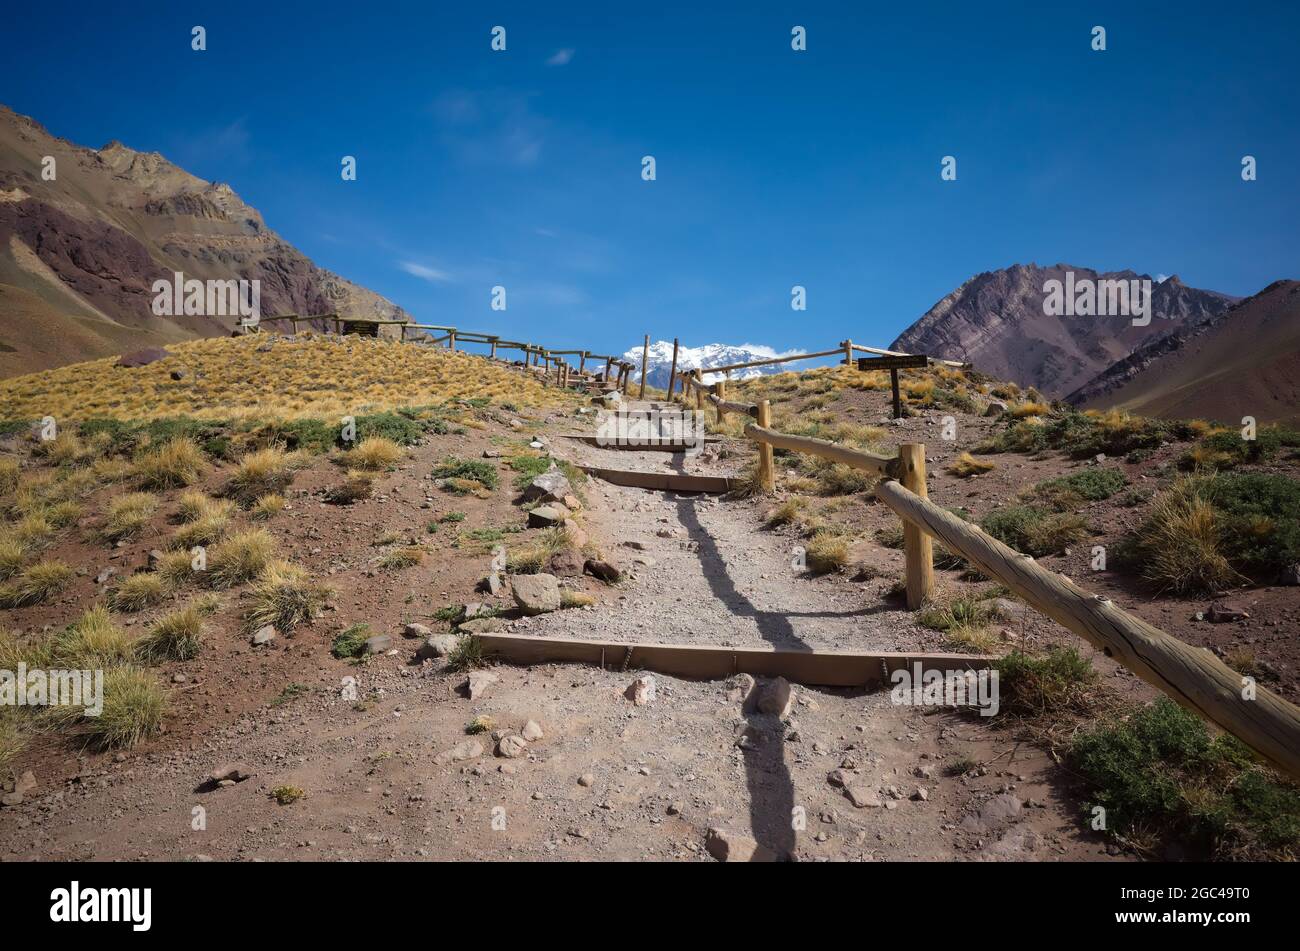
{"x": 771, "y": 788}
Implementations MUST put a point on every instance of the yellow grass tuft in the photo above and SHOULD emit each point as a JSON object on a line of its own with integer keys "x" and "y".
{"x": 284, "y": 595}
{"x": 263, "y": 472}
{"x": 93, "y": 640}
{"x": 966, "y": 465}
{"x": 35, "y": 584}
{"x": 177, "y": 462}
{"x": 374, "y": 454}
{"x": 826, "y": 551}
{"x": 267, "y": 506}
{"x": 139, "y": 591}
{"x": 127, "y": 514}
{"x": 240, "y": 557}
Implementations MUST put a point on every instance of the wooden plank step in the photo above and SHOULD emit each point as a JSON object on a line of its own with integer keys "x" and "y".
{"x": 650, "y": 445}
{"x": 693, "y": 662}
{"x": 664, "y": 481}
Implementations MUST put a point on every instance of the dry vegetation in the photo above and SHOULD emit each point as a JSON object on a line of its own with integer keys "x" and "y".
{"x": 227, "y": 378}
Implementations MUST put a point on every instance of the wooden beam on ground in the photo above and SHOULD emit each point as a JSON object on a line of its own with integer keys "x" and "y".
{"x": 693, "y": 662}
{"x": 858, "y": 459}
{"x": 650, "y": 444}
{"x": 663, "y": 481}
{"x": 1192, "y": 676}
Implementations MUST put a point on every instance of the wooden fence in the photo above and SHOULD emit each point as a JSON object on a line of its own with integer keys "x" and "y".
{"x": 1192, "y": 676}
{"x": 616, "y": 369}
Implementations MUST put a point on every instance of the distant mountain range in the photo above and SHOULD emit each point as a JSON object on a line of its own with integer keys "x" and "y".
{"x": 79, "y": 252}
{"x": 998, "y": 321}
{"x": 660, "y": 361}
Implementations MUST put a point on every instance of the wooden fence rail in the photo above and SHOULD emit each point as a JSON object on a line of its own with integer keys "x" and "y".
{"x": 1192, "y": 676}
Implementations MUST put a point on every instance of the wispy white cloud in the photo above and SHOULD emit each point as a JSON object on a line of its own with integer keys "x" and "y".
{"x": 560, "y": 57}
{"x": 424, "y": 272}
{"x": 490, "y": 126}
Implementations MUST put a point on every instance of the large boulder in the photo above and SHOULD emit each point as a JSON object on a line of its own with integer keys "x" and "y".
{"x": 536, "y": 594}
{"x": 547, "y": 516}
{"x": 550, "y": 486}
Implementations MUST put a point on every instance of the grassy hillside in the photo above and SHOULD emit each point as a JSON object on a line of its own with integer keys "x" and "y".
{"x": 263, "y": 376}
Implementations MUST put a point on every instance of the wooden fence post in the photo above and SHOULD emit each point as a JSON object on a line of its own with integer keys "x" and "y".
{"x": 917, "y": 545}
{"x": 451, "y": 340}
{"x": 720, "y": 391}
{"x": 699, "y": 389}
{"x": 645, "y": 355}
{"x": 672, "y": 373}
{"x": 898, "y": 402}
{"x": 766, "y": 475}
{"x": 848, "y": 353}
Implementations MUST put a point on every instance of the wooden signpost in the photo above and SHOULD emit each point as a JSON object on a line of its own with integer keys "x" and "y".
{"x": 893, "y": 365}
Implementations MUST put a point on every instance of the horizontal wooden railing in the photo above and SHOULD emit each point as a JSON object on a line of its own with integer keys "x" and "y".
{"x": 1191, "y": 676}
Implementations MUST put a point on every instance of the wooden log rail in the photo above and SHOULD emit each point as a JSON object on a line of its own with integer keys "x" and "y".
{"x": 1192, "y": 676}
{"x": 858, "y": 459}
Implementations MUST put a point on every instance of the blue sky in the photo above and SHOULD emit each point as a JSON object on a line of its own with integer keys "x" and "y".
{"x": 775, "y": 167}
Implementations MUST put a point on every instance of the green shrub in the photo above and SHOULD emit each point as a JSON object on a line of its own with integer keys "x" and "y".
{"x": 395, "y": 426}
{"x": 1059, "y": 681}
{"x": 1033, "y": 530}
{"x": 1160, "y": 769}
{"x": 351, "y": 641}
{"x": 1086, "y": 485}
{"x": 474, "y": 470}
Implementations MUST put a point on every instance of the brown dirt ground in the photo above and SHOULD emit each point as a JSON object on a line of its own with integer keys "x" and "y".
{"x": 663, "y": 773}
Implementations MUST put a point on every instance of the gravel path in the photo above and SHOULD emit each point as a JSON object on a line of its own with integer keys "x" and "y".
{"x": 705, "y": 571}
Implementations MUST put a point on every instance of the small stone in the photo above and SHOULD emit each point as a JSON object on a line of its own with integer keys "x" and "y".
{"x": 378, "y": 644}
{"x": 438, "y": 645}
{"x": 1221, "y": 612}
{"x": 264, "y": 635}
{"x": 231, "y": 772}
{"x": 586, "y": 780}
{"x": 546, "y": 516}
{"x": 641, "y": 691}
{"x": 774, "y": 697}
{"x": 536, "y": 594}
{"x": 477, "y": 683}
{"x": 104, "y": 575}
{"x": 511, "y": 746}
{"x": 728, "y": 846}
{"x": 862, "y": 797}
{"x": 460, "y": 753}
{"x": 602, "y": 570}
{"x": 921, "y": 794}
{"x": 532, "y": 731}
{"x": 417, "y": 630}
{"x": 550, "y": 486}
{"x": 483, "y": 625}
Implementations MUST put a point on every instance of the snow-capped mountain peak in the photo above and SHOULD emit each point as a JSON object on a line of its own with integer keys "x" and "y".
{"x": 660, "y": 360}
